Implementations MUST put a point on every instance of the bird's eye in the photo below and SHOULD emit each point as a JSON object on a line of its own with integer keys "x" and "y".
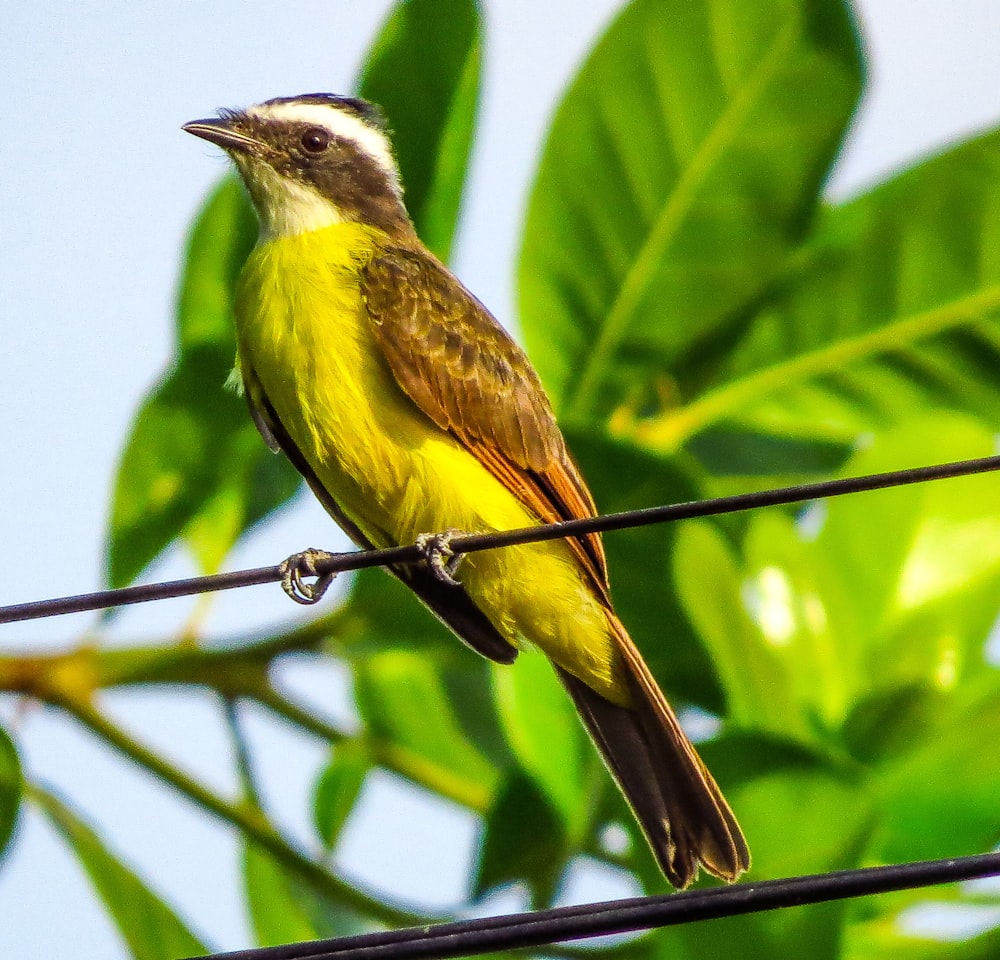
{"x": 315, "y": 140}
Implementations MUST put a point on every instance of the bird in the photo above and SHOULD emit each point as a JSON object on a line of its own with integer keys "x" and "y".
{"x": 409, "y": 409}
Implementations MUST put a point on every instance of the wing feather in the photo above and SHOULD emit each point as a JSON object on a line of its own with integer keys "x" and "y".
{"x": 452, "y": 605}
{"x": 465, "y": 372}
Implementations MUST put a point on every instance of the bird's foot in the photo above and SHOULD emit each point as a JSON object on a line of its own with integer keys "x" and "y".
{"x": 441, "y": 559}
{"x": 297, "y": 567}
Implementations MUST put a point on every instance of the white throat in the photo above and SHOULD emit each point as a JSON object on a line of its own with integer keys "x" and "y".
{"x": 286, "y": 208}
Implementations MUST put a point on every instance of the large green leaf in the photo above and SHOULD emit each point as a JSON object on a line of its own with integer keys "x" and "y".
{"x": 414, "y": 704}
{"x": 682, "y": 168}
{"x": 860, "y": 620}
{"x": 11, "y": 789}
{"x": 545, "y": 734}
{"x": 890, "y": 311}
{"x": 920, "y": 565}
{"x": 148, "y": 926}
{"x": 192, "y": 460}
{"x": 423, "y": 70}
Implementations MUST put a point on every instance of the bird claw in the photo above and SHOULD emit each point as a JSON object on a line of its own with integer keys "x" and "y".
{"x": 301, "y": 565}
{"x": 441, "y": 559}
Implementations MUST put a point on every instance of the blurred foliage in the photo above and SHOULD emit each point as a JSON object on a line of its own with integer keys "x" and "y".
{"x": 705, "y": 322}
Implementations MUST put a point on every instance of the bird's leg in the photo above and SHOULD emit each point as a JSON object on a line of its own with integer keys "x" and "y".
{"x": 441, "y": 559}
{"x": 301, "y": 565}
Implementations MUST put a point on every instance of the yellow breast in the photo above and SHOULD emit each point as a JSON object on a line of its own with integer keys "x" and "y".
{"x": 303, "y": 331}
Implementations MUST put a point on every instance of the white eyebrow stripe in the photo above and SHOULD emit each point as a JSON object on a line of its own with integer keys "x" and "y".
{"x": 340, "y": 123}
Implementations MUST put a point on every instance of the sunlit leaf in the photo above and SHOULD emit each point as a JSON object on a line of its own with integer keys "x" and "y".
{"x": 151, "y": 930}
{"x": 682, "y": 167}
{"x": 864, "y": 599}
{"x": 890, "y": 312}
{"x": 545, "y": 734}
{"x": 920, "y": 564}
{"x": 338, "y": 788}
{"x": 417, "y": 705}
{"x": 710, "y": 582}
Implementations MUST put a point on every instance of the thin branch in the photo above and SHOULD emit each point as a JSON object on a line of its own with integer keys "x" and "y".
{"x": 251, "y": 822}
{"x": 391, "y": 756}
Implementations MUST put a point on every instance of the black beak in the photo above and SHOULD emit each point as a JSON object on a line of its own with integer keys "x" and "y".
{"x": 222, "y": 133}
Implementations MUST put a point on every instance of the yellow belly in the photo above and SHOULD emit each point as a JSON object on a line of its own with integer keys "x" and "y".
{"x": 303, "y": 331}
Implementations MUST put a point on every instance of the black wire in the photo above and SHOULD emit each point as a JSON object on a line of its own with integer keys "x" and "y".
{"x": 518, "y": 931}
{"x": 357, "y": 560}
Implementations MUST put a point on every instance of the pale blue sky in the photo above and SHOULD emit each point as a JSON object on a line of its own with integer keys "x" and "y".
{"x": 97, "y": 187}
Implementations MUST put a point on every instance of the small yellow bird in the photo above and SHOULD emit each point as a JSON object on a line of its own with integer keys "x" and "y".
{"x": 408, "y": 409}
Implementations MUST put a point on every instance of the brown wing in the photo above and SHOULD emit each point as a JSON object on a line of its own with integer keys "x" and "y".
{"x": 464, "y": 371}
{"x": 453, "y": 606}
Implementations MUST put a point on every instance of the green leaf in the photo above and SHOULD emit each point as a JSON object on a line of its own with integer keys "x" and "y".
{"x": 524, "y": 840}
{"x": 283, "y": 910}
{"x": 416, "y": 705}
{"x": 11, "y": 789}
{"x": 150, "y": 929}
{"x": 710, "y": 581}
{"x": 939, "y": 799}
{"x": 919, "y": 565}
{"x": 171, "y": 466}
{"x": 545, "y": 735}
{"x": 880, "y": 601}
{"x": 890, "y": 312}
{"x": 423, "y": 70}
{"x": 223, "y": 234}
{"x": 338, "y": 788}
{"x": 682, "y": 168}
{"x": 193, "y": 464}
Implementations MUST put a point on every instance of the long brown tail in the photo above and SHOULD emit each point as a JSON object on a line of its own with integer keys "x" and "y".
{"x": 678, "y": 805}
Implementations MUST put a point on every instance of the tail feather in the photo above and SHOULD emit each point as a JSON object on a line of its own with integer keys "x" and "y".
{"x": 675, "y": 799}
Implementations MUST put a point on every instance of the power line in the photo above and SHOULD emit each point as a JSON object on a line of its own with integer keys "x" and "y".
{"x": 356, "y": 560}
{"x": 519, "y": 931}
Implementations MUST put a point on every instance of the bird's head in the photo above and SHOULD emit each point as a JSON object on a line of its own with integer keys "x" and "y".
{"x": 312, "y": 161}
